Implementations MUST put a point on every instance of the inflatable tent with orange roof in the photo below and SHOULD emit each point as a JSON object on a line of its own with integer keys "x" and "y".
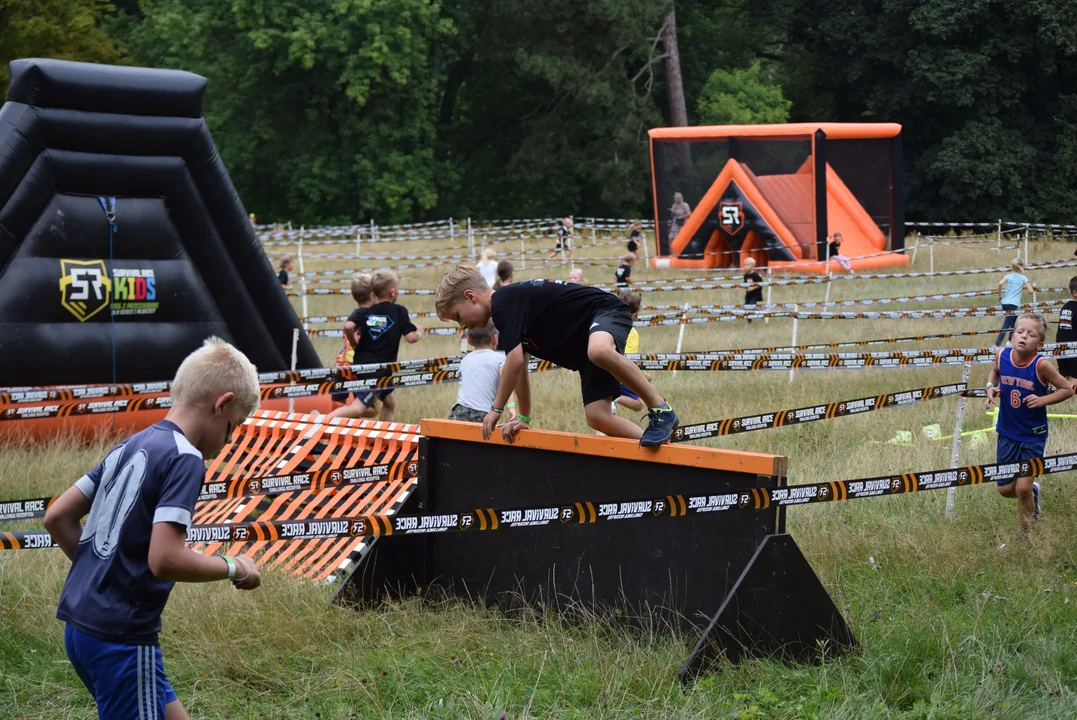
{"x": 777, "y": 193}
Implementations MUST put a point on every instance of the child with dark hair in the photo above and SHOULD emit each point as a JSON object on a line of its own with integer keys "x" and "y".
{"x": 285, "y": 268}
{"x": 506, "y": 273}
{"x": 480, "y": 374}
{"x": 1066, "y": 333}
{"x": 623, "y": 275}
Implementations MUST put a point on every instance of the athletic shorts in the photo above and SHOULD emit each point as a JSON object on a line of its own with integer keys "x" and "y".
{"x": 596, "y": 383}
{"x": 126, "y": 681}
{"x": 557, "y": 247}
{"x": 465, "y": 414}
{"x": 340, "y": 398}
{"x": 628, "y": 393}
{"x": 367, "y": 397}
{"x": 1068, "y": 367}
{"x": 1012, "y": 451}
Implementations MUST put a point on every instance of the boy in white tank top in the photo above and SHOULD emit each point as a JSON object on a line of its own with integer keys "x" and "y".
{"x": 480, "y": 374}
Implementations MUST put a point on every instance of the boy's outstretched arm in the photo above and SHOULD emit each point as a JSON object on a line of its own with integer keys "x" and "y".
{"x": 1054, "y": 377}
{"x": 171, "y": 559}
{"x": 510, "y": 378}
{"x": 414, "y": 335}
{"x": 63, "y": 519}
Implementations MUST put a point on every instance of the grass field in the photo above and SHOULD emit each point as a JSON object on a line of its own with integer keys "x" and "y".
{"x": 955, "y": 619}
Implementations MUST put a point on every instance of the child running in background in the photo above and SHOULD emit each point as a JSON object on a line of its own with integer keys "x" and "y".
{"x": 577, "y": 327}
{"x": 1022, "y": 376}
{"x": 753, "y": 295}
{"x": 285, "y": 268}
{"x": 635, "y": 237}
{"x": 363, "y": 293}
{"x": 622, "y": 276}
{"x": 506, "y": 273}
{"x": 1065, "y": 333}
{"x": 488, "y": 266}
{"x": 375, "y": 333}
{"x": 564, "y": 234}
{"x": 628, "y": 398}
{"x": 133, "y": 547}
{"x": 480, "y": 374}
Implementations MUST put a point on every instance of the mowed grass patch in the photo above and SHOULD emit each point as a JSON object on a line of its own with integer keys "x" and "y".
{"x": 955, "y": 619}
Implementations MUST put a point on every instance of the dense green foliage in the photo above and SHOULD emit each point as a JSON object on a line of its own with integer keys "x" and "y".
{"x": 333, "y": 110}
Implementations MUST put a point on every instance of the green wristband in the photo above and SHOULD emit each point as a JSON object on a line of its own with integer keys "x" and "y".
{"x": 511, "y": 405}
{"x": 231, "y": 567}
{"x": 523, "y": 418}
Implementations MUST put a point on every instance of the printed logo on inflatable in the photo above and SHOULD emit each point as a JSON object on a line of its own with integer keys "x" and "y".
{"x": 85, "y": 287}
{"x": 731, "y": 216}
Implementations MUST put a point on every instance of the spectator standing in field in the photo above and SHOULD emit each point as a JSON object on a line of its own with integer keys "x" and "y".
{"x": 480, "y": 375}
{"x": 564, "y": 236}
{"x": 753, "y": 294}
{"x": 834, "y": 253}
{"x": 680, "y": 212}
{"x": 635, "y": 237}
{"x": 133, "y": 549}
{"x": 285, "y": 268}
{"x": 506, "y": 274}
{"x": 1065, "y": 333}
{"x": 488, "y": 266}
{"x": 1009, "y": 294}
{"x": 1023, "y": 378}
{"x": 622, "y": 276}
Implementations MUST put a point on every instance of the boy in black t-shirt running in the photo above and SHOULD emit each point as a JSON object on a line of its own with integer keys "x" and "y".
{"x": 577, "y": 327}
{"x": 1066, "y": 333}
{"x": 623, "y": 275}
{"x": 753, "y": 295}
{"x": 375, "y": 334}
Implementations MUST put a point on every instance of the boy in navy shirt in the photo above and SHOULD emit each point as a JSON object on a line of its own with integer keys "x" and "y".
{"x": 132, "y": 550}
{"x": 375, "y": 333}
{"x": 1022, "y": 376}
{"x": 577, "y": 327}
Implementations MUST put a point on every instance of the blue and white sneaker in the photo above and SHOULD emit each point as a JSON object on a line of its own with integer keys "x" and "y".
{"x": 1036, "y": 495}
{"x": 661, "y": 422}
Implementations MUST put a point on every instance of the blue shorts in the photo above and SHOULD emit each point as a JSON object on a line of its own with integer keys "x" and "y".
{"x": 367, "y": 397}
{"x": 126, "y": 681}
{"x": 1012, "y": 451}
{"x": 628, "y": 393}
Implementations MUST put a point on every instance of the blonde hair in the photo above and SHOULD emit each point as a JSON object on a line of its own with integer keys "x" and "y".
{"x": 629, "y": 257}
{"x": 452, "y": 287}
{"x": 749, "y": 263}
{"x": 382, "y": 281}
{"x": 1036, "y": 317}
{"x": 567, "y": 222}
{"x": 678, "y": 198}
{"x": 489, "y": 254}
{"x": 1017, "y": 265}
{"x": 212, "y": 370}
{"x": 362, "y": 287}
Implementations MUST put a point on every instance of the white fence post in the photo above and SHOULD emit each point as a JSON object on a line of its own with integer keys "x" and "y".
{"x": 796, "y": 309}
{"x": 931, "y": 254}
{"x": 523, "y": 255}
{"x": 680, "y": 337}
{"x": 470, "y": 240}
{"x": 452, "y": 234}
{"x": 358, "y": 239}
{"x": 1026, "y": 246}
{"x": 302, "y": 274}
{"x": 915, "y": 248}
{"x": 766, "y": 318}
{"x": 955, "y": 448}
{"x": 295, "y": 353}
{"x": 998, "y": 238}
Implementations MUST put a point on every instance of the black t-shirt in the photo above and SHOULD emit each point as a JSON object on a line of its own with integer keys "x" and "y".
{"x": 756, "y": 294}
{"x": 622, "y": 274}
{"x": 380, "y": 328}
{"x": 283, "y": 277}
{"x": 1066, "y": 316}
{"x": 835, "y": 249}
{"x": 551, "y": 318}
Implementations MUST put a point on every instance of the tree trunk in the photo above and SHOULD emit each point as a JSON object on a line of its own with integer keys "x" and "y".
{"x": 678, "y": 112}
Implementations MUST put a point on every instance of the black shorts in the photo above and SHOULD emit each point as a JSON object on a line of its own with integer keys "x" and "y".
{"x": 596, "y": 383}
{"x": 633, "y": 246}
{"x": 1068, "y": 367}
{"x": 557, "y": 247}
{"x": 367, "y": 396}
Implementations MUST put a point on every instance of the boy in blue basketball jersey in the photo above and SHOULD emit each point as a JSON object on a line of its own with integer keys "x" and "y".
{"x": 132, "y": 549}
{"x": 1021, "y": 376}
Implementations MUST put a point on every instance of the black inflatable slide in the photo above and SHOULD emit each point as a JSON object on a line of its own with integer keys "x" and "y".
{"x": 123, "y": 243}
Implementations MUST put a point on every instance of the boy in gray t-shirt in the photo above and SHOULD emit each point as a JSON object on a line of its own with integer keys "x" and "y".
{"x": 480, "y": 374}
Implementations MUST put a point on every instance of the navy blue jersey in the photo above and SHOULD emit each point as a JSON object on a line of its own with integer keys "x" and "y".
{"x": 153, "y": 476}
{"x": 1016, "y": 420}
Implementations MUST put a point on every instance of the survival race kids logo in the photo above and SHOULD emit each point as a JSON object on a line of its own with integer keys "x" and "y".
{"x": 86, "y": 288}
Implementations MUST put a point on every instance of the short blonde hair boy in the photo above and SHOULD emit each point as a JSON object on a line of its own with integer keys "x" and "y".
{"x": 212, "y": 370}
{"x": 382, "y": 281}
{"x": 362, "y": 287}
{"x": 452, "y": 287}
{"x": 1036, "y": 318}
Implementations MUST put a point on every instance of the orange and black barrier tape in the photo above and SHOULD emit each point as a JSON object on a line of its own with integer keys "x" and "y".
{"x": 813, "y": 413}
{"x": 592, "y": 512}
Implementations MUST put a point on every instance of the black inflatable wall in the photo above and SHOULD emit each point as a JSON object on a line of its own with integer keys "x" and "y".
{"x": 123, "y": 243}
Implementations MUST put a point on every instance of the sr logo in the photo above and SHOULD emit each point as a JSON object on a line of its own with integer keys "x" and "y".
{"x": 240, "y": 533}
{"x": 358, "y": 527}
{"x": 85, "y": 288}
{"x": 254, "y": 486}
{"x": 731, "y": 216}
{"x": 567, "y": 514}
{"x": 659, "y": 507}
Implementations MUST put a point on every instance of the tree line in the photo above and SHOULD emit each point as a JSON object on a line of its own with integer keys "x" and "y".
{"x": 400, "y": 110}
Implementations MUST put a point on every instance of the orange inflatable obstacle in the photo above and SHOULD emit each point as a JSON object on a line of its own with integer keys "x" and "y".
{"x": 778, "y": 194}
